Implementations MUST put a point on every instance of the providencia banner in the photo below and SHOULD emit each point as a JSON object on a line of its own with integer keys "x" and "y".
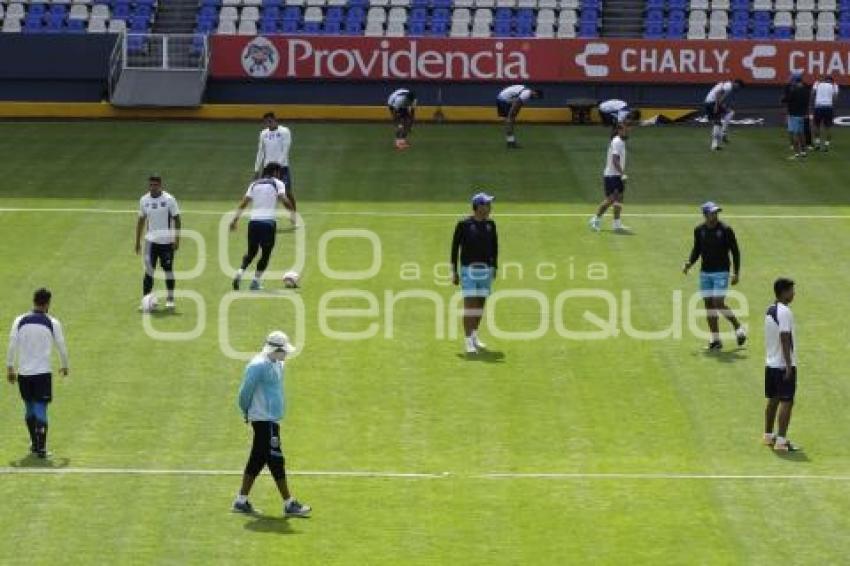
{"x": 523, "y": 60}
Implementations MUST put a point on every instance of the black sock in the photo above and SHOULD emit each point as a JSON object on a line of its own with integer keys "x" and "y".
{"x": 147, "y": 284}
{"x": 41, "y": 436}
{"x": 31, "y": 428}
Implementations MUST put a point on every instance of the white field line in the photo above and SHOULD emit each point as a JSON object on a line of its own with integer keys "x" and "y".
{"x": 391, "y": 214}
{"x": 427, "y": 475}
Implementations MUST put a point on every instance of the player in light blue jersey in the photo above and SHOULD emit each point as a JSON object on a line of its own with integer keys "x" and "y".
{"x": 263, "y": 404}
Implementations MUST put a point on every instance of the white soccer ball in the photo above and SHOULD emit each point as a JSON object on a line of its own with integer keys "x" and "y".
{"x": 290, "y": 279}
{"x": 149, "y": 303}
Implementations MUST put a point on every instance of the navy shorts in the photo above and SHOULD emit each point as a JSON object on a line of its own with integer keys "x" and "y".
{"x": 402, "y": 113}
{"x": 162, "y": 254}
{"x": 777, "y": 387}
{"x": 503, "y": 109}
{"x": 614, "y": 186}
{"x": 261, "y": 234}
{"x": 37, "y": 387}
{"x": 712, "y": 115}
{"x": 823, "y": 116}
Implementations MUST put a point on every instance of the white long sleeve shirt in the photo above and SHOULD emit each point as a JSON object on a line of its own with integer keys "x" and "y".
{"x": 31, "y": 340}
{"x": 273, "y": 148}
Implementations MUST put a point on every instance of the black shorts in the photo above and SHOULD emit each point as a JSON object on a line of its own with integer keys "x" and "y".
{"x": 775, "y": 385}
{"x": 402, "y": 113}
{"x": 614, "y": 186}
{"x": 823, "y": 116}
{"x": 503, "y": 109}
{"x": 158, "y": 253}
{"x": 286, "y": 178}
{"x": 267, "y": 439}
{"x": 38, "y": 387}
{"x": 608, "y": 118}
{"x": 261, "y": 233}
{"x": 714, "y": 116}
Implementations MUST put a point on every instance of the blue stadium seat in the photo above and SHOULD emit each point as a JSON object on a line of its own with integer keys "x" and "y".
{"x": 334, "y": 14}
{"x": 502, "y": 28}
{"x": 58, "y": 10}
{"x": 136, "y": 43}
{"x": 442, "y": 3}
{"x": 213, "y": 3}
{"x": 589, "y": 14}
{"x": 762, "y": 17}
{"x": 524, "y": 29}
{"x": 588, "y": 30}
{"x": 654, "y": 17}
{"x": 358, "y": 3}
{"x": 439, "y": 28}
{"x": 783, "y": 33}
{"x": 205, "y": 26}
{"x": 272, "y": 13}
{"x": 760, "y": 31}
{"x": 142, "y": 11}
{"x": 331, "y": 28}
{"x": 356, "y": 14}
{"x": 138, "y": 25}
{"x": 289, "y": 27}
{"x": 76, "y": 26}
{"x": 676, "y": 16}
{"x": 525, "y": 15}
{"x": 676, "y": 30}
{"x": 738, "y": 31}
{"x": 420, "y": 4}
{"x": 121, "y": 11}
{"x": 677, "y": 4}
{"x": 741, "y": 5}
{"x": 654, "y": 5}
{"x": 207, "y": 13}
{"x": 416, "y": 28}
{"x": 37, "y": 10}
{"x": 441, "y": 15}
{"x": 844, "y": 17}
{"x": 353, "y": 28}
{"x": 272, "y": 3}
{"x": 503, "y": 14}
{"x": 653, "y": 30}
{"x": 268, "y": 27}
{"x": 844, "y": 31}
{"x": 312, "y": 28}
{"x": 418, "y": 15}
{"x": 292, "y": 13}
{"x": 740, "y": 17}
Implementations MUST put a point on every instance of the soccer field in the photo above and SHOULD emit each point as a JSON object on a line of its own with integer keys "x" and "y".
{"x": 578, "y": 437}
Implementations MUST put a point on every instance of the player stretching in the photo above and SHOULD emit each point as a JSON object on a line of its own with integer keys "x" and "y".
{"x": 508, "y": 104}
{"x": 159, "y": 210}
{"x": 402, "y": 105}
{"x": 714, "y": 241}
{"x": 824, "y": 97}
{"x": 614, "y": 178}
{"x": 275, "y": 141}
{"x": 719, "y": 112}
{"x": 780, "y": 371}
{"x": 263, "y": 194}
{"x": 613, "y": 112}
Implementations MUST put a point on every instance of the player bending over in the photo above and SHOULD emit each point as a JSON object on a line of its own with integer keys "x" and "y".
{"x": 719, "y": 111}
{"x": 508, "y": 104}
{"x": 402, "y": 105}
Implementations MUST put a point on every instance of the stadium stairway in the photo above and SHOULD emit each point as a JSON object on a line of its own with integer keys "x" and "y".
{"x": 176, "y": 16}
{"x": 622, "y": 18}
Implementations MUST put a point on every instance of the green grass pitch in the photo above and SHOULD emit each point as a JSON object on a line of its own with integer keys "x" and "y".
{"x": 653, "y": 445}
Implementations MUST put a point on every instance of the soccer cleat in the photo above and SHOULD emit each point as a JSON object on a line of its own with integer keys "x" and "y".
{"x": 513, "y": 145}
{"x": 255, "y": 286}
{"x": 470, "y": 346}
{"x": 741, "y": 336}
{"x": 296, "y": 509}
{"x": 715, "y": 345}
{"x": 621, "y": 228}
{"x": 786, "y": 446}
{"x": 768, "y": 439}
{"x": 594, "y": 223}
{"x": 243, "y": 507}
{"x": 478, "y": 343}
{"x": 169, "y": 305}
{"x": 716, "y": 148}
{"x": 236, "y": 281}
{"x": 43, "y": 454}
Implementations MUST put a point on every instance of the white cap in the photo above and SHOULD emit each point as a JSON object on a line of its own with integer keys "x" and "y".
{"x": 276, "y": 341}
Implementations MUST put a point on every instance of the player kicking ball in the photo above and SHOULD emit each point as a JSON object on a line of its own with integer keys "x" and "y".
{"x": 614, "y": 179}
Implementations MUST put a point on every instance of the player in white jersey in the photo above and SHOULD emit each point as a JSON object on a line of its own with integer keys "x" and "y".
{"x": 160, "y": 212}
{"x": 263, "y": 194}
{"x": 614, "y": 179}
{"x": 824, "y": 97}
{"x": 275, "y": 141}
{"x": 31, "y": 342}
{"x": 402, "y": 106}
{"x": 508, "y": 104}
{"x": 780, "y": 371}
{"x": 719, "y": 112}
{"x": 613, "y": 112}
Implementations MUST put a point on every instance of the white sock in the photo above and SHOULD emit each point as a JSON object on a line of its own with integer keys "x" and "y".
{"x": 239, "y": 273}
{"x": 715, "y": 134}
{"x": 511, "y": 138}
{"x": 769, "y": 435}
{"x": 617, "y": 223}
{"x": 715, "y": 337}
{"x": 826, "y": 143}
{"x": 781, "y": 440}
{"x": 817, "y": 141}
{"x": 241, "y": 498}
{"x": 740, "y": 331}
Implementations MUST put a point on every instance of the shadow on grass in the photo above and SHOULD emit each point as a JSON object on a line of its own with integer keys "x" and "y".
{"x": 725, "y": 356}
{"x": 269, "y": 524}
{"x": 798, "y": 456}
{"x": 164, "y": 313}
{"x": 33, "y": 461}
{"x": 487, "y": 356}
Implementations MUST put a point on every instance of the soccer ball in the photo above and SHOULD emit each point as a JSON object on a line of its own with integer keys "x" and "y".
{"x": 290, "y": 279}
{"x": 149, "y": 303}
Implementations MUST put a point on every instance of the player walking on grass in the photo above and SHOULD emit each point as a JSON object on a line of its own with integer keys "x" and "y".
{"x": 263, "y": 194}
{"x": 614, "y": 180}
{"x": 159, "y": 210}
{"x": 476, "y": 246}
{"x": 275, "y": 141}
{"x": 780, "y": 372}
{"x": 719, "y": 112}
{"x": 402, "y": 105}
{"x": 714, "y": 242}
{"x": 31, "y": 341}
{"x": 796, "y": 99}
{"x": 824, "y": 97}
{"x": 508, "y": 104}
{"x": 263, "y": 404}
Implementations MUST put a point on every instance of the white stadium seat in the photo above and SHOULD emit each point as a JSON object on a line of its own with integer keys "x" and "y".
{"x": 380, "y": 3}
{"x": 116, "y": 26}
{"x": 699, "y": 5}
{"x": 545, "y": 30}
{"x": 461, "y": 15}
{"x": 763, "y": 5}
{"x": 783, "y": 19}
{"x": 826, "y": 5}
{"x": 227, "y": 27}
{"x": 566, "y": 30}
{"x": 483, "y": 15}
{"x": 717, "y": 32}
{"x": 485, "y": 4}
{"x": 12, "y": 25}
{"x": 314, "y": 14}
{"x": 464, "y": 3}
{"x": 85, "y": 2}
{"x": 249, "y": 14}
{"x": 718, "y": 18}
{"x": 247, "y": 28}
{"x": 506, "y": 3}
{"x": 296, "y": 2}
{"x": 97, "y": 26}
{"x": 480, "y": 30}
{"x": 15, "y": 12}
{"x": 569, "y": 4}
{"x": 397, "y": 15}
{"x": 547, "y": 4}
{"x": 459, "y": 29}
{"x": 719, "y": 4}
{"x": 254, "y": 3}
{"x": 234, "y": 3}
{"x": 65, "y": 2}
{"x": 804, "y": 33}
{"x": 545, "y": 16}
{"x": 568, "y": 16}
{"x": 784, "y": 6}
{"x": 825, "y": 33}
{"x": 337, "y": 3}
{"x": 804, "y": 19}
{"x": 375, "y": 14}
{"x": 529, "y": 4}
{"x": 696, "y": 32}
{"x": 805, "y": 5}
{"x": 399, "y": 3}
{"x": 826, "y": 19}
{"x": 228, "y": 13}
{"x": 395, "y": 29}
{"x": 374, "y": 29}
{"x": 78, "y": 12}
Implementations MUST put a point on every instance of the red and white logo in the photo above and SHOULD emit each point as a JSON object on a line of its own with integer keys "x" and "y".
{"x": 260, "y": 58}
{"x": 757, "y": 71}
{"x": 591, "y": 50}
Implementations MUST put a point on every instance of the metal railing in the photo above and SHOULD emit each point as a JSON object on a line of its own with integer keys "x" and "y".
{"x": 177, "y": 52}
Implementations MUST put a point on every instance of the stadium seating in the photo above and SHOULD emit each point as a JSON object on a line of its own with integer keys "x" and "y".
{"x": 398, "y": 18}
{"x": 77, "y": 16}
{"x": 802, "y": 20}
